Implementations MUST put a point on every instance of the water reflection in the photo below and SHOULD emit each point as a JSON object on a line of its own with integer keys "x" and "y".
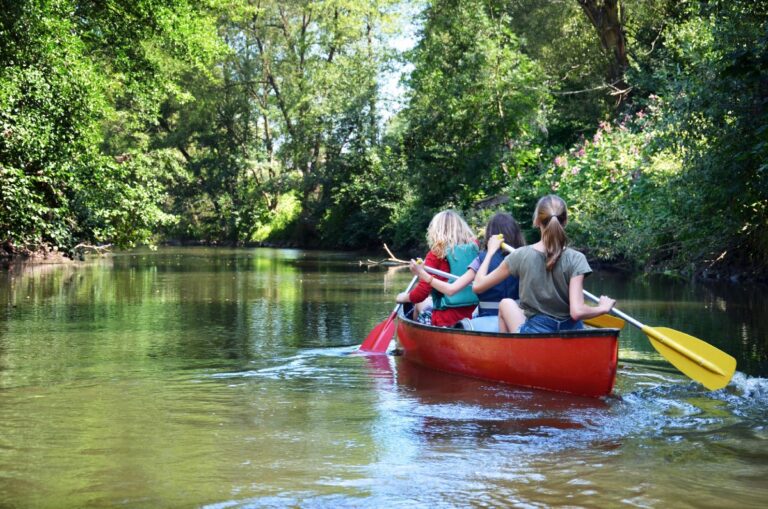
{"x": 229, "y": 378}
{"x": 536, "y": 447}
{"x": 726, "y": 315}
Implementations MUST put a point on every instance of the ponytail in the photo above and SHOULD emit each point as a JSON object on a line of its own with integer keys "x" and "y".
{"x": 551, "y": 215}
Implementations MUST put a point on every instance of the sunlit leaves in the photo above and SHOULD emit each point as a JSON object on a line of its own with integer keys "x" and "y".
{"x": 81, "y": 88}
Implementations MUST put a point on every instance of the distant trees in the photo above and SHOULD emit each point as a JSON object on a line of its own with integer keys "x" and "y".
{"x": 201, "y": 120}
{"x": 291, "y": 112}
{"x": 477, "y": 104}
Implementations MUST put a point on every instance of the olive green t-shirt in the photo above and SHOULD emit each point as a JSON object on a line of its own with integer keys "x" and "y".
{"x": 543, "y": 291}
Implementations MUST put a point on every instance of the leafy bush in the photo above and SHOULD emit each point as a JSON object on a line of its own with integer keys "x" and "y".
{"x": 614, "y": 183}
{"x": 281, "y": 223}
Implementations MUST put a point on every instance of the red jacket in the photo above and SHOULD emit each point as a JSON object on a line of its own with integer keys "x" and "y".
{"x": 446, "y": 317}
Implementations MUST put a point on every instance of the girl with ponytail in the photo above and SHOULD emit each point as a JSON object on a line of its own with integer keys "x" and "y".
{"x": 550, "y": 216}
{"x": 551, "y": 278}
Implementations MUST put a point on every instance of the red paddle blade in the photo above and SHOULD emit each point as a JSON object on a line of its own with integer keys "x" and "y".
{"x": 378, "y": 339}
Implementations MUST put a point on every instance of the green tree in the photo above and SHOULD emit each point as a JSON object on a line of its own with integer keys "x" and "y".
{"x": 476, "y": 105}
{"x": 713, "y": 74}
{"x": 681, "y": 186}
{"x": 79, "y": 93}
{"x": 290, "y": 106}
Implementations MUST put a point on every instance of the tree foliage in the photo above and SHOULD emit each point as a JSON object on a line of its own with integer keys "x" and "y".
{"x": 261, "y": 120}
{"x": 687, "y": 170}
{"x": 476, "y": 107}
{"x": 713, "y": 76}
{"x": 81, "y": 87}
{"x": 292, "y": 108}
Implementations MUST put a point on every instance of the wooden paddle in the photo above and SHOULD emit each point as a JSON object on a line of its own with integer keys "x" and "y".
{"x": 379, "y": 338}
{"x": 695, "y": 358}
{"x": 601, "y": 322}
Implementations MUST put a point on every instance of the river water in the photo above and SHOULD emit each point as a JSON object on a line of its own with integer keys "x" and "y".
{"x": 221, "y": 378}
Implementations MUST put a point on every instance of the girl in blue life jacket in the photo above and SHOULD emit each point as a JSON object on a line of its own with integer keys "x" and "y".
{"x": 452, "y": 246}
{"x": 488, "y": 308}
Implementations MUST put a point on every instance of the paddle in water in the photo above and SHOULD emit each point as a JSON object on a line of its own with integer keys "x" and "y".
{"x": 379, "y": 338}
{"x": 695, "y": 358}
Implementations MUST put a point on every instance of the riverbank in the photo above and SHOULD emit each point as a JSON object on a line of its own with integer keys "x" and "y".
{"x": 44, "y": 254}
{"x": 733, "y": 269}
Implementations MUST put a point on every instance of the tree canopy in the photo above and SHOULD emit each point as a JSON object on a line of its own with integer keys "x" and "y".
{"x": 242, "y": 121}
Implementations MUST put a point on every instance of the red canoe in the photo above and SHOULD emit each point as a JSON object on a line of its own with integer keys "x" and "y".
{"x": 578, "y": 362}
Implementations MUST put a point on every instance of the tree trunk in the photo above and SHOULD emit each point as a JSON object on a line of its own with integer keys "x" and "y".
{"x": 607, "y": 18}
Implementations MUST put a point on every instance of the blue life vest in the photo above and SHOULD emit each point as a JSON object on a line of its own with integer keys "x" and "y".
{"x": 459, "y": 259}
{"x": 507, "y": 289}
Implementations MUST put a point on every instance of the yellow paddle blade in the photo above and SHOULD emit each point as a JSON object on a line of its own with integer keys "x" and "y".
{"x": 697, "y": 359}
{"x": 606, "y": 322}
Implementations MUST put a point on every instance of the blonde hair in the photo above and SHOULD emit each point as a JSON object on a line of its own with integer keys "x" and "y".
{"x": 447, "y": 230}
{"x": 550, "y": 215}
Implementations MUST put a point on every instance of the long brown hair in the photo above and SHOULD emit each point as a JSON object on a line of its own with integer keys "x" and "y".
{"x": 550, "y": 215}
{"x": 504, "y": 223}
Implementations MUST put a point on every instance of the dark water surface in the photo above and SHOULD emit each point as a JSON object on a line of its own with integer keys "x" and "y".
{"x": 229, "y": 378}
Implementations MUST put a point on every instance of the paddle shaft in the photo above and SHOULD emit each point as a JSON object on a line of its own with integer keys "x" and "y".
{"x": 410, "y": 287}
{"x": 615, "y": 311}
{"x": 669, "y": 343}
{"x": 438, "y": 272}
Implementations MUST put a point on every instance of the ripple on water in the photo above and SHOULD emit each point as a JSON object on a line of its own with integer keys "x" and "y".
{"x": 658, "y": 404}
{"x": 458, "y": 436}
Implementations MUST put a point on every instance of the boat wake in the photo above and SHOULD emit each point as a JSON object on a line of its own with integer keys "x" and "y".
{"x": 647, "y": 403}
{"x": 313, "y": 363}
{"x": 675, "y": 411}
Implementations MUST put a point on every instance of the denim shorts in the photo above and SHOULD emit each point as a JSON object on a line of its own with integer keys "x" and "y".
{"x": 545, "y": 323}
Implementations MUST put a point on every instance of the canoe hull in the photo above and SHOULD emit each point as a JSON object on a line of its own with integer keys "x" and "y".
{"x": 576, "y": 362}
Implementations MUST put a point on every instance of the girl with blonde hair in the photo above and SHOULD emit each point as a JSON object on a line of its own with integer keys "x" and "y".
{"x": 501, "y": 223}
{"x": 452, "y": 247}
{"x": 551, "y": 278}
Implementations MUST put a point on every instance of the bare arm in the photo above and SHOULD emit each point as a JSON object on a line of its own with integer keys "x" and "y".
{"x": 579, "y": 309}
{"x": 483, "y": 280}
{"x": 441, "y": 286}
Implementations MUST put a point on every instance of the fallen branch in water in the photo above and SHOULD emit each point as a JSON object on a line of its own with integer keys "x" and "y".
{"x": 391, "y": 261}
{"x": 393, "y": 257}
{"x": 82, "y": 249}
